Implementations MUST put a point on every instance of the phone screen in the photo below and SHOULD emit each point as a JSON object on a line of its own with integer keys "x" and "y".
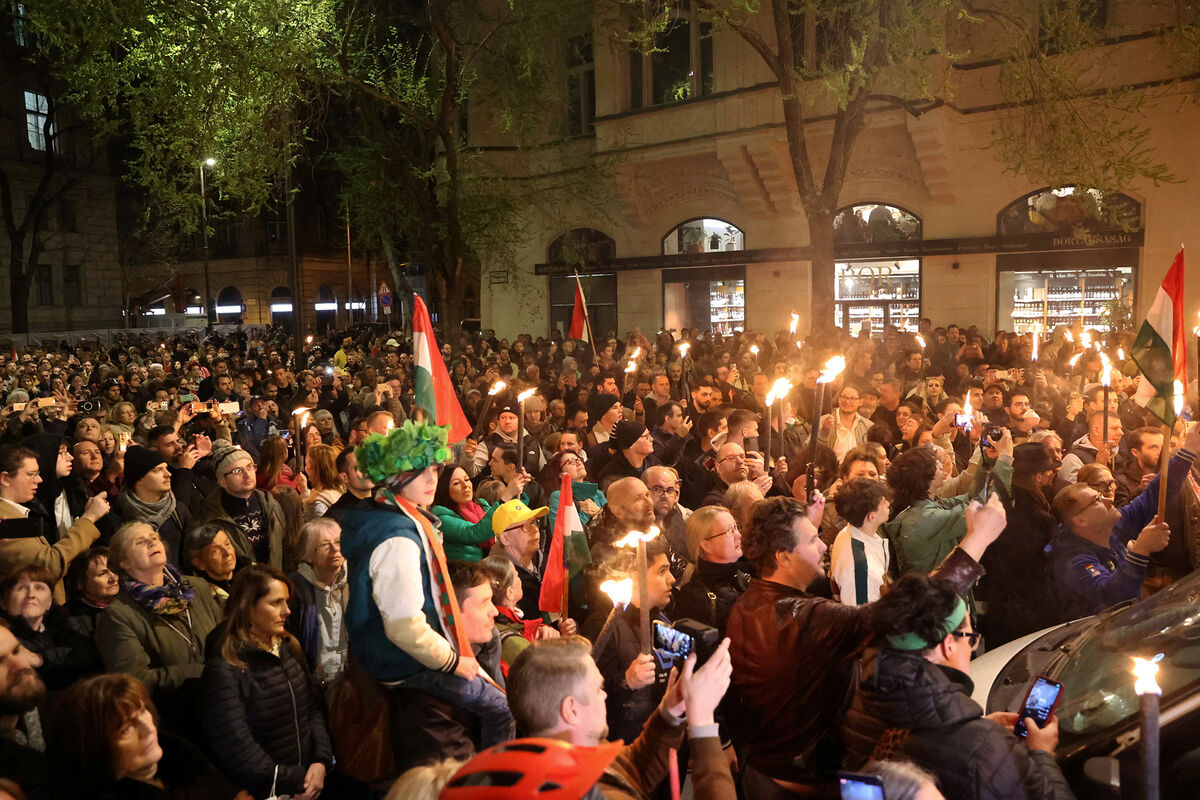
{"x": 1039, "y": 703}
{"x": 962, "y": 420}
{"x": 670, "y": 643}
{"x": 859, "y": 786}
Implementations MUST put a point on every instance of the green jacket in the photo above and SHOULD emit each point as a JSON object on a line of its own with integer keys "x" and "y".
{"x": 155, "y": 649}
{"x": 924, "y": 533}
{"x": 460, "y": 538}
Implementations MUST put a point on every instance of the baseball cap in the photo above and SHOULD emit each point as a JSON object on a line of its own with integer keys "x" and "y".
{"x": 514, "y": 512}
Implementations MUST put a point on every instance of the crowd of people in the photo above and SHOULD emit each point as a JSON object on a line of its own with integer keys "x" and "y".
{"x": 235, "y": 567}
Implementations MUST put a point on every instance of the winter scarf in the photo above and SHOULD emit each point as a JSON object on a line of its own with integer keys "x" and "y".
{"x": 170, "y": 599}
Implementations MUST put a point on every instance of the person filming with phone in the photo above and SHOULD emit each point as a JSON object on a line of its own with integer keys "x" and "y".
{"x": 913, "y": 702}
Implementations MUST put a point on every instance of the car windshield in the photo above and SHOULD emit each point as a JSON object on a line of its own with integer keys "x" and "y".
{"x": 1097, "y": 678}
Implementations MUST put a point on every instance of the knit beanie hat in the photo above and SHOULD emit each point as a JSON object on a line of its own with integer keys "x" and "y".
{"x": 225, "y": 457}
{"x": 599, "y": 404}
{"x": 626, "y": 433}
{"x": 139, "y": 461}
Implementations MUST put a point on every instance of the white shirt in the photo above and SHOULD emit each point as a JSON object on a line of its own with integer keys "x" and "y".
{"x": 858, "y": 566}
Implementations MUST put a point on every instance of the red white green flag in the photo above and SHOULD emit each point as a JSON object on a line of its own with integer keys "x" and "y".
{"x": 579, "y": 321}
{"x": 568, "y": 553}
{"x": 434, "y": 391}
{"x": 1160, "y": 350}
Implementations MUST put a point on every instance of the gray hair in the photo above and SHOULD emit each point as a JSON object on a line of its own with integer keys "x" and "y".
{"x": 201, "y": 537}
{"x": 311, "y": 532}
{"x": 118, "y": 546}
{"x": 18, "y": 396}
{"x": 321, "y": 413}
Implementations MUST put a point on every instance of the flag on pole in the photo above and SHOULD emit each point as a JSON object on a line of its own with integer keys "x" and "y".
{"x": 579, "y": 320}
{"x": 1160, "y": 350}
{"x": 434, "y": 391}
{"x": 568, "y": 553}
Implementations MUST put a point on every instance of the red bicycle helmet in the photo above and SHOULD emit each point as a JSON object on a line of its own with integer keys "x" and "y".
{"x": 531, "y": 769}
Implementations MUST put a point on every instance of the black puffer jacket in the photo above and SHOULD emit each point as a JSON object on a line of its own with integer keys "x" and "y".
{"x": 709, "y": 596}
{"x": 973, "y": 758}
{"x": 264, "y": 716}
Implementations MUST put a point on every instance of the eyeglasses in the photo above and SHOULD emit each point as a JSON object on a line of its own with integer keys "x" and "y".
{"x": 732, "y": 529}
{"x": 972, "y": 637}
{"x": 735, "y": 457}
{"x": 240, "y": 471}
{"x": 660, "y": 491}
{"x": 1101, "y": 486}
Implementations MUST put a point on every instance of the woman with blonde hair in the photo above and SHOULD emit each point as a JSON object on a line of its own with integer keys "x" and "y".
{"x": 740, "y": 498}
{"x": 326, "y": 483}
{"x": 718, "y": 576}
{"x": 123, "y": 416}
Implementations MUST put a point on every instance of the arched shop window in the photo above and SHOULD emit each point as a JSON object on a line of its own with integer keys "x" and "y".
{"x": 883, "y": 288}
{"x": 1072, "y": 260}
{"x": 1069, "y": 209}
{"x": 586, "y": 251}
{"x": 875, "y": 223}
{"x": 281, "y": 305}
{"x": 581, "y": 246}
{"x": 703, "y": 235}
{"x": 230, "y": 308}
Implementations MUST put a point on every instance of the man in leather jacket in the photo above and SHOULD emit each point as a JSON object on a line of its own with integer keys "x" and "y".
{"x": 793, "y": 653}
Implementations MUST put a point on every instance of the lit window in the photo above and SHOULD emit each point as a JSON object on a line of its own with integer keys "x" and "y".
{"x": 38, "y": 125}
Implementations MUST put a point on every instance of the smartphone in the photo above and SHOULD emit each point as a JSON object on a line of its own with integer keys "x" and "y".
{"x": 19, "y": 406}
{"x": 187, "y": 398}
{"x": 200, "y": 408}
{"x": 1039, "y": 703}
{"x": 962, "y": 421}
{"x": 229, "y": 408}
{"x": 45, "y": 402}
{"x": 670, "y": 643}
{"x": 860, "y": 786}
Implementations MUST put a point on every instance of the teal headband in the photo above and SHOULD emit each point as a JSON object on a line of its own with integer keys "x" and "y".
{"x": 911, "y": 641}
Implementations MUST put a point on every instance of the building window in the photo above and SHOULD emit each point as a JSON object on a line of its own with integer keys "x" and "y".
{"x": 875, "y": 223}
{"x": 72, "y": 285}
{"x": 38, "y": 125}
{"x": 600, "y": 291}
{"x": 23, "y": 35}
{"x": 581, "y": 85}
{"x": 66, "y": 216}
{"x": 703, "y": 236}
{"x": 680, "y": 66}
{"x": 1069, "y": 209}
{"x": 276, "y": 222}
{"x": 44, "y": 281}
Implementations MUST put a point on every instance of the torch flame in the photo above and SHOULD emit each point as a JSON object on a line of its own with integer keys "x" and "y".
{"x": 1121, "y": 354}
{"x": 1086, "y": 339}
{"x": 920, "y": 340}
{"x": 799, "y": 345}
{"x": 637, "y": 352}
{"x": 683, "y": 348}
{"x": 1074, "y": 359}
{"x": 754, "y": 349}
{"x": 795, "y": 322}
{"x": 632, "y": 367}
{"x": 308, "y": 339}
{"x": 1178, "y": 398}
{"x": 1106, "y": 372}
{"x": 779, "y": 390}
{"x": 620, "y": 592}
{"x": 1037, "y": 335}
{"x": 833, "y": 368}
{"x": 497, "y": 388}
{"x": 632, "y": 538}
{"x": 1145, "y": 670}
{"x": 1067, "y": 335}
{"x": 301, "y": 410}
{"x": 967, "y": 410}
{"x": 525, "y": 395}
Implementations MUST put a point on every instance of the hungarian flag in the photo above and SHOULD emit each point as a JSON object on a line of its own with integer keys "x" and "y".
{"x": 434, "y": 391}
{"x": 1160, "y": 350}
{"x": 579, "y": 326}
{"x": 568, "y": 554}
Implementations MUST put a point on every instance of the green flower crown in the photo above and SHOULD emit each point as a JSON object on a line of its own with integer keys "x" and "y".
{"x": 410, "y": 448}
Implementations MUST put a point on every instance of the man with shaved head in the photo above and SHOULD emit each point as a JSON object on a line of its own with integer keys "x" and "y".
{"x": 730, "y": 468}
{"x": 670, "y": 517}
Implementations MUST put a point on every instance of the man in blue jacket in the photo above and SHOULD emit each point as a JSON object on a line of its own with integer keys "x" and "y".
{"x": 1100, "y": 553}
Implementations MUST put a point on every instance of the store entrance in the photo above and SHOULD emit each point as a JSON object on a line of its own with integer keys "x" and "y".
{"x": 705, "y": 299}
{"x": 873, "y": 295}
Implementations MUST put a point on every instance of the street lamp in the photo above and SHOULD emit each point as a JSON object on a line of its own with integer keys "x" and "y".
{"x": 208, "y": 302}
